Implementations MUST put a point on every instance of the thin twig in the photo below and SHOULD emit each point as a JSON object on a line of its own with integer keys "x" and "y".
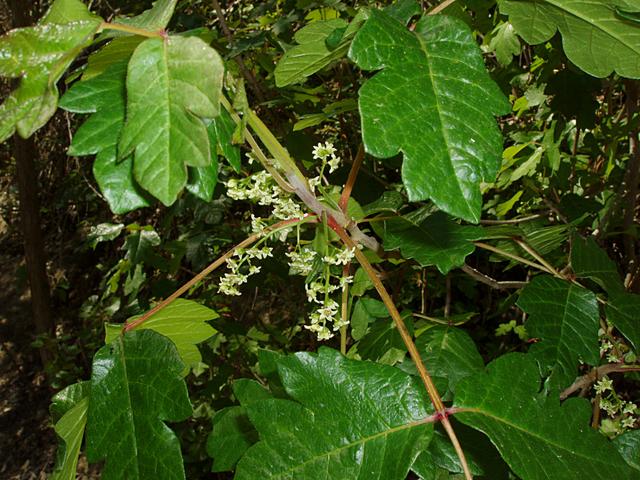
{"x": 531, "y": 251}
{"x": 511, "y": 256}
{"x": 487, "y": 280}
{"x": 351, "y": 180}
{"x": 513, "y": 220}
{"x": 586, "y": 380}
{"x": 438, "y": 8}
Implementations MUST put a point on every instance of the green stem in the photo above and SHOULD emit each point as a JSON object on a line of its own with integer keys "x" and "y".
{"x": 133, "y": 30}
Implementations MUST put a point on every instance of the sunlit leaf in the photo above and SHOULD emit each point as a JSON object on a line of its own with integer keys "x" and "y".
{"x": 435, "y": 77}
{"x": 136, "y": 386}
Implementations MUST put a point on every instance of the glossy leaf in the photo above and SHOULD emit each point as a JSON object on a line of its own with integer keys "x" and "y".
{"x": 104, "y": 97}
{"x": 366, "y": 311}
{"x": 622, "y": 310}
{"x": 233, "y": 433}
{"x": 537, "y": 437}
{"x": 434, "y": 240}
{"x": 450, "y": 353}
{"x": 588, "y": 260}
{"x": 156, "y": 18}
{"x": 435, "y": 77}
{"x": 349, "y": 419}
{"x": 116, "y": 51}
{"x": 565, "y": 319}
{"x": 594, "y": 37}
{"x": 136, "y": 386}
{"x": 505, "y": 43}
{"x": 171, "y": 85}
{"x": 312, "y": 53}
{"x": 39, "y": 55}
{"x": 184, "y": 322}
{"x": 628, "y": 444}
{"x": 69, "y": 412}
{"x": 221, "y": 128}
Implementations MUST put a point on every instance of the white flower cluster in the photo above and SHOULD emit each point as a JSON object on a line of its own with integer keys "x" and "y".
{"x": 232, "y": 280}
{"x": 261, "y": 189}
{"x": 327, "y": 312}
{"x": 623, "y": 412}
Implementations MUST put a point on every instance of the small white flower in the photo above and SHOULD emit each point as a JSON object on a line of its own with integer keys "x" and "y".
{"x": 628, "y": 422}
{"x": 333, "y": 163}
{"x": 346, "y": 280}
{"x": 629, "y": 408}
{"x": 603, "y": 385}
{"x": 608, "y": 407}
{"x": 612, "y": 358}
{"x": 314, "y": 182}
{"x": 322, "y": 152}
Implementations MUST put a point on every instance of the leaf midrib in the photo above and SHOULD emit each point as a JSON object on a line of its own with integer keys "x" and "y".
{"x": 544, "y": 440}
{"x": 363, "y": 440}
{"x": 445, "y": 136}
{"x": 134, "y": 453}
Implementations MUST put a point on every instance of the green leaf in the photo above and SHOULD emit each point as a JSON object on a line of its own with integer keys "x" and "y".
{"x": 450, "y": 353}
{"x": 628, "y": 444}
{"x": 366, "y": 311}
{"x": 69, "y": 412}
{"x": 593, "y": 36}
{"x": 435, "y": 78}
{"x": 39, "y": 56}
{"x": 622, "y": 310}
{"x": 504, "y": 43}
{"x": 537, "y": 437}
{"x": 434, "y": 240}
{"x": 565, "y": 318}
{"x": 390, "y": 201}
{"x": 403, "y": 10}
{"x": 136, "y": 385}
{"x": 116, "y": 51}
{"x": 156, "y": 18}
{"x": 588, "y": 260}
{"x": 171, "y": 85}
{"x": 313, "y": 54}
{"x": 184, "y": 322}
{"x": 140, "y": 242}
{"x": 104, "y": 232}
{"x": 116, "y": 182}
{"x": 221, "y": 128}
{"x": 350, "y": 419}
{"x": 383, "y": 343}
{"x": 233, "y": 432}
{"x": 203, "y": 180}
{"x": 104, "y": 96}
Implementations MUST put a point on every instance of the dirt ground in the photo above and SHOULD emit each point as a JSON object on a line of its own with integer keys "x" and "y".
{"x": 27, "y": 441}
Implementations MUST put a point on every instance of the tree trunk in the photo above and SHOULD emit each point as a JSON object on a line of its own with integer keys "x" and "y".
{"x": 24, "y": 152}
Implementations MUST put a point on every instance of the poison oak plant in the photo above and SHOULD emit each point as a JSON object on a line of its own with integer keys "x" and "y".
{"x": 163, "y": 106}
